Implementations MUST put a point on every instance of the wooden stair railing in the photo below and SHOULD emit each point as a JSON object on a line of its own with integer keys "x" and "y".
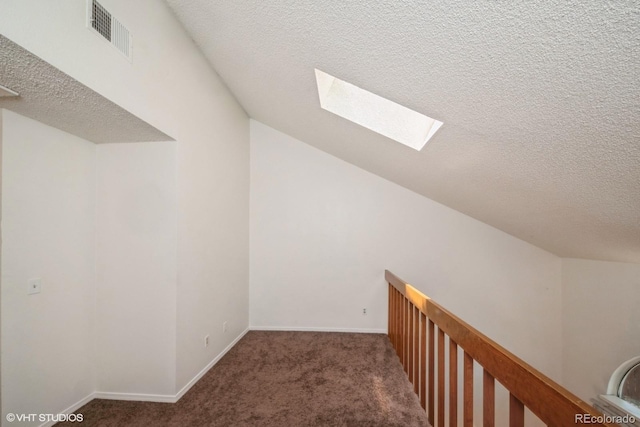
{"x": 416, "y": 323}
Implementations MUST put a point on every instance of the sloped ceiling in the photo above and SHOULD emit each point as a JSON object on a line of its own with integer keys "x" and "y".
{"x": 540, "y": 102}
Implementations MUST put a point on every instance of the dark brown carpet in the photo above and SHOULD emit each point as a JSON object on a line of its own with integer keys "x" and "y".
{"x": 285, "y": 379}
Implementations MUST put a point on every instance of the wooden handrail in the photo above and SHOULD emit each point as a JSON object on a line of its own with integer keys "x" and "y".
{"x": 528, "y": 387}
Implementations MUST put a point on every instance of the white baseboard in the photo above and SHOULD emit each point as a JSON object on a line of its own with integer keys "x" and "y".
{"x": 209, "y": 366}
{"x": 315, "y": 329}
{"x": 71, "y": 409}
{"x": 138, "y": 397}
{"x": 168, "y": 398}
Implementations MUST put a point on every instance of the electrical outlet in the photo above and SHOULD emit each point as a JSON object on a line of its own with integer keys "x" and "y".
{"x": 35, "y": 286}
{"x": 224, "y": 326}
{"x": 206, "y": 340}
{"x": 364, "y": 311}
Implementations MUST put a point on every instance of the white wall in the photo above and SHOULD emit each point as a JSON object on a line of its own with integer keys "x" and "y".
{"x": 600, "y": 322}
{"x": 136, "y": 241}
{"x": 170, "y": 85}
{"x": 48, "y": 231}
{"x": 1, "y": 134}
{"x": 323, "y": 231}
{"x": 213, "y": 229}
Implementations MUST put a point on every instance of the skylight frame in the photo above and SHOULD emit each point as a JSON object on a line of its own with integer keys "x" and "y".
{"x": 375, "y": 112}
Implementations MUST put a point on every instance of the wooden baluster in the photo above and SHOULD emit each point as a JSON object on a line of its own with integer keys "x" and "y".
{"x": 395, "y": 320}
{"x": 516, "y": 412}
{"x": 390, "y": 313}
{"x": 488, "y": 400}
{"x": 402, "y": 330}
{"x": 453, "y": 383}
{"x": 392, "y": 316}
{"x": 407, "y": 336}
{"x": 432, "y": 356}
{"x": 423, "y": 361}
{"x": 416, "y": 349}
{"x": 407, "y": 344}
{"x": 468, "y": 390}
{"x": 405, "y": 333}
{"x": 410, "y": 342}
{"x": 441, "y": 395}
{"x": 398, "y": 323}
{"x": 550, "y": 402}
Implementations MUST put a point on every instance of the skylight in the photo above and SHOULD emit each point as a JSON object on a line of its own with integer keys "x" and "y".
{"x": 374, "y": 112}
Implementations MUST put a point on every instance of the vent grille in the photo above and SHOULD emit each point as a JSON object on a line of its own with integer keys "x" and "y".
{"x": 101, "y": 20}
{"x": 120, "y": 37}
{"x": 110, "y": 28}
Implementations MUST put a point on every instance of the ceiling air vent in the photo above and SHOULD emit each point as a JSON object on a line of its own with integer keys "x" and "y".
{"x": 105, "y": 24}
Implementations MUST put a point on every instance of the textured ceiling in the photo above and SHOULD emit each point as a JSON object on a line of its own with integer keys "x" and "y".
{"x": 53, "y": 98}
{"x": 540, "y": 102}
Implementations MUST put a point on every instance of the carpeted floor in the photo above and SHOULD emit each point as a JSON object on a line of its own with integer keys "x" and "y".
{"x": 284, "y": 379}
